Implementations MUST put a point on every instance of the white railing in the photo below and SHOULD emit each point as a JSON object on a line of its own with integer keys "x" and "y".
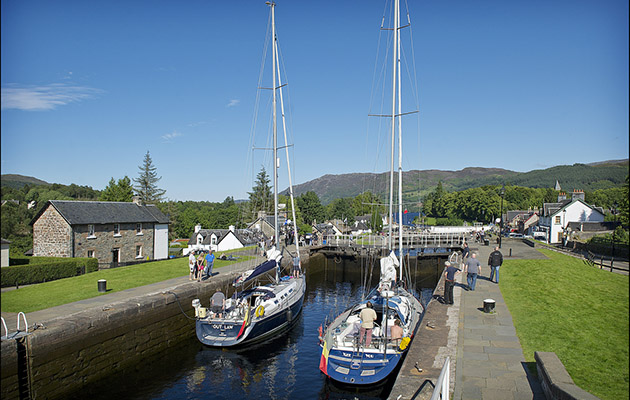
{"x": 441, "y": 390}
{"x": 420, "y": 239}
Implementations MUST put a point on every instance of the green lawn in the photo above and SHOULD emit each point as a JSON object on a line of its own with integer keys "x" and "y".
{"x": 44, "y": 295}
{"x": 562, "y": 305}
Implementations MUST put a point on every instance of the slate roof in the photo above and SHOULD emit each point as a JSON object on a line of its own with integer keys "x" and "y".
{"x": 105, "y": 212}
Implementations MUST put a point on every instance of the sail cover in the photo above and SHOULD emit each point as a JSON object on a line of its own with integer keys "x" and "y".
{"x": 260, "y": 269}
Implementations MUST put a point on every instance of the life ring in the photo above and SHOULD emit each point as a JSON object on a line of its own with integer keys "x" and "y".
{"x": 260, "y": 311}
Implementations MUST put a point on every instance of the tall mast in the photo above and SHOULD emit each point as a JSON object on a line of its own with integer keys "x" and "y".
{"x": 393, "y": 133}
{"x": 286, "y": 149}
{"x": 400, "y": 182}
{"x": 275, "y": 130}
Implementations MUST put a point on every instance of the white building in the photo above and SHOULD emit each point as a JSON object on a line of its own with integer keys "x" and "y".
{"x": 557, "y": 216}
{"x": 221, "y": 239}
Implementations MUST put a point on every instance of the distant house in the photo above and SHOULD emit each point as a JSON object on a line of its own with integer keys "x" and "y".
{"x": 4, "y": 258}
{"x": 112, "y": 232}
{"x": 221, "y": 239}
{"x": 557, "y": 217}
{"x": 265, "y": 223}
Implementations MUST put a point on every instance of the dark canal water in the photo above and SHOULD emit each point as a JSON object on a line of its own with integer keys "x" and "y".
{"x": 284, "y": 367}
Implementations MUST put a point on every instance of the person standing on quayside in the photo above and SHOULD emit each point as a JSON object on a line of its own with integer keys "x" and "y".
{"x": 473, "y": 268}
{"x": 449, "y": 281}
{"x": 191, "y": 263}
{"x": 465, "y": 252}
{"x": 217, "y": 303}
{"x": 199, "y": 267}
{"x": 494, "y": 261}
{"x": 368, "y": 316}
{"x": 209, "y": 263}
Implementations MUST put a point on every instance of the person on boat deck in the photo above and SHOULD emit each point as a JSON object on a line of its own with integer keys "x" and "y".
{"x": 297, "y": 267}
{"x": 217, "y": 303}
{"x": 396, "y": 330}
{"x": 191, "y": 263}
{"x": 368, "y": 316}
{"x": 209, "y": 264}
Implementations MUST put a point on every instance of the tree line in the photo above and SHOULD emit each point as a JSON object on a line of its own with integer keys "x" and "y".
{"x": 481, "y": 204}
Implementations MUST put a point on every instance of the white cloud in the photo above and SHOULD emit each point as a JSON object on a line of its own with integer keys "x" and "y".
{"x": 233, "y": 102}
{"x": 46, "y": 97}
{"x": 170, "y": 136}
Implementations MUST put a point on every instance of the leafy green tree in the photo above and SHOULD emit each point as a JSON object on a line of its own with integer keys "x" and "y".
{"x": 311, "y": 207}
{"x": 146, "y": 183}
{"x": 118, "y": 191}
{"x": 341, "y": 209}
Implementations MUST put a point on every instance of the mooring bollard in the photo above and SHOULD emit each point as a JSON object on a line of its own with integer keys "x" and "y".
{"x": 488, "y": 305}
{"x": 102, "y": 285}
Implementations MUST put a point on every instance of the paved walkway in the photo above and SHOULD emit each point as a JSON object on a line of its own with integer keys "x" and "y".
{"x": 490, "y": 362}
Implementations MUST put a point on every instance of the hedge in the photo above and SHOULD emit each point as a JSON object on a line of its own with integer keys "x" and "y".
{"x": 29, "y": 270}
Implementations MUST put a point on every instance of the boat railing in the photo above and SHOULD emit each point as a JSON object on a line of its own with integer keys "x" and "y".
{"x": 441, "y": 390}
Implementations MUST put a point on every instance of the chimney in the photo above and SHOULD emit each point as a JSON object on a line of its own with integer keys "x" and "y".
{"x": 137, "y": 200}
{"x": 577, "y": 194}
{"x": 562, "y": 196}
{"x": 231, "y": 228}
{"x": 197, "y": 228}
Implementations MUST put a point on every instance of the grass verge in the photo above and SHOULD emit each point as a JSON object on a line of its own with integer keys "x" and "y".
{"x": 63, "y": 291}
{"x": 563, "y": 305}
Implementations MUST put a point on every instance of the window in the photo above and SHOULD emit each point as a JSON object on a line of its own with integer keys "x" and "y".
{"x": 139, "y": 228}
{"x": 138, "y": 251}
{"x": 116, "y": 229}
{"x": 90, "y": 253}
{"x": 91, "y": 231}
{"x": 557, "y": 220}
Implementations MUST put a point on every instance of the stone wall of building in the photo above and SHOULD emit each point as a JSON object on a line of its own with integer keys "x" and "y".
{"x": 52, "y": 236}
{"x": 103, "y": 242}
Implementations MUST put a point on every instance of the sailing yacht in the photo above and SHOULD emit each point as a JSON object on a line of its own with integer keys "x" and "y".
{"x": 256, "y": 312}
{"x": 345, "y": 356}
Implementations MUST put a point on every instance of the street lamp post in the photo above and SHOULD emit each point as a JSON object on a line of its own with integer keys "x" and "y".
{"x": 614, "y": 211}
{"x": 501, "y": 223}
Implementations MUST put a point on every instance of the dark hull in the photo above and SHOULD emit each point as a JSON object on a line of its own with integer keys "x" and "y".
{"x": 222, "y": 333}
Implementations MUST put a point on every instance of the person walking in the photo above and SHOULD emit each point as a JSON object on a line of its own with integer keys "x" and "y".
{"x": 472, "y": 267}
{"x": 449, "y": 281}
{"x": 494, "y": 262}
{"x": 465, "y": 252}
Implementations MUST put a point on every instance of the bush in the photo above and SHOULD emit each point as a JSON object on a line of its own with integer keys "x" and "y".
{"x": 29, "y": 270}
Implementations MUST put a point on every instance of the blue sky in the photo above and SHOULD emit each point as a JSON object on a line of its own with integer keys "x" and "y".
{"x": 88, "y": 87}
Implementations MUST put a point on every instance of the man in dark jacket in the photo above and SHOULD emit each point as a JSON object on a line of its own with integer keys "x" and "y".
{"x": 465, "y": 252}
{"x": 494, "y": 261}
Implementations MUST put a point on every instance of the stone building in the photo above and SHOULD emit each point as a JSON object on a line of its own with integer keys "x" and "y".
{"x": 112, "y": 232}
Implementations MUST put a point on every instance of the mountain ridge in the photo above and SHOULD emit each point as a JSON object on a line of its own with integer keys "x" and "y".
{"x": 418, "y": 183}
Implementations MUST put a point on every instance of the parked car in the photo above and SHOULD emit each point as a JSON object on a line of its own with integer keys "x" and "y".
{"x": 515, "y": 235}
